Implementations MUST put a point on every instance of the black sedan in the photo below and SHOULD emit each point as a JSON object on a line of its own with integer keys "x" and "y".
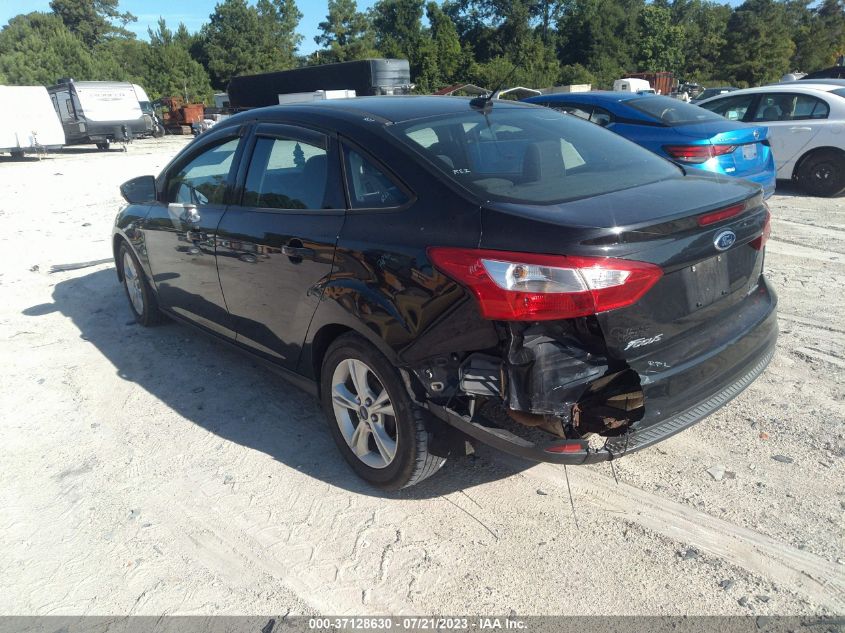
{"x": 440, "y": 271}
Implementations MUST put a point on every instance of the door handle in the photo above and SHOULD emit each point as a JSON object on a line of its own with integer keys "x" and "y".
{"x": 297, "y": 252}
{"x": 801, "y": 128}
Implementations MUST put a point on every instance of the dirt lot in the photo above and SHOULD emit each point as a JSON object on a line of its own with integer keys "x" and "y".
{"x": 151, "y": 471}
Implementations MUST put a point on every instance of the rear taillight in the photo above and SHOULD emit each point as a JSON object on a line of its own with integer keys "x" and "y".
{"x": 760, "y": 242}
{"x": 697, "y": 153}
{"x": 530, "y": 287}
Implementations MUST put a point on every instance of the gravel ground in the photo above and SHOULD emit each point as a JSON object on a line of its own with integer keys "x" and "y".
{"x": 153, "y": 471}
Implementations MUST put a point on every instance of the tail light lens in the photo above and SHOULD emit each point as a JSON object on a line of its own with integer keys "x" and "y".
{"x": 760, "y": 242}
{"x": 697, "y": 153}
{"x": 530, "y": 287}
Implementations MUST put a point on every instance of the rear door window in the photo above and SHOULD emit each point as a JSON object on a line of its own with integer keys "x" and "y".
{"x": 790, "y": 107}
{"x": 286, "y": 174}
{"x": 369, "y": 186}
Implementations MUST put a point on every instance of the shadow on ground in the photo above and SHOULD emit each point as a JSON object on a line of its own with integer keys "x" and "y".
{"x": 228, "y": 393}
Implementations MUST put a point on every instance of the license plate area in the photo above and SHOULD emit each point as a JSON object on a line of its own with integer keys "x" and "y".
{"x": 706, "y": 282}
{"x": 749, "y": 152}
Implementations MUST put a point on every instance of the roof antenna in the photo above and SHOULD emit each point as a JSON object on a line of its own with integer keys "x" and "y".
{"x": 482, "y": 103}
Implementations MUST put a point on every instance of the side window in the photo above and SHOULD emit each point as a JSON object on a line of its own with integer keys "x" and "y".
{"x": 369, "y": 187}
{"x": 601, "y": 117}
{"x": 811, "y": 108}
{"x": 286, "y": 174}
{"x": 732, "y": 108}
{"x": 204, "y": 179}
{"x": 579, "y": 111}
{"x": 790, "y": 107}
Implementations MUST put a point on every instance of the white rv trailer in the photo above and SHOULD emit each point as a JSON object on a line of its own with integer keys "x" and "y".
{"x": 632, "y": 84}
{"x": 97, "y": 112}
{"x": 28, "y": 122}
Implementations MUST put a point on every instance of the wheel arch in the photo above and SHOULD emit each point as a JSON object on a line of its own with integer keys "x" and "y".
{"x": 315, "y": 350}
{"x": 822, "y": 148}
{"x": 117, "y": 240}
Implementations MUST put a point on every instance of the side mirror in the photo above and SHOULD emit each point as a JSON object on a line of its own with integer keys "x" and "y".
{"x": 140, "y": 190}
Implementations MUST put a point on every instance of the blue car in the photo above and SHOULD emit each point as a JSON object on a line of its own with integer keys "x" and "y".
{"x": 684, "y": 133}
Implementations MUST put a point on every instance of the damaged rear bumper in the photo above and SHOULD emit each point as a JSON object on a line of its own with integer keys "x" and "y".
{"x": 675, "y": 400}
{"x": 581, "y": 451}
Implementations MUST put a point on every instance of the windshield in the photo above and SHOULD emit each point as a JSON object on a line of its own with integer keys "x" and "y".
{"x": 672, "y": 111}
{"x": 531, "y": 155}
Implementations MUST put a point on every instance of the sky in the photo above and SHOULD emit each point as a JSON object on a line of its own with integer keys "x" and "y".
{"x": 194, "y": 13}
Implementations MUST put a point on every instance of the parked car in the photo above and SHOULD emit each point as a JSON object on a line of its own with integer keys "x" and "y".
{"x": 437, "y": 269}
{"x": 712, "y": 92}
{"x": 806, "y": 122}
{"x": 679, "y": 131}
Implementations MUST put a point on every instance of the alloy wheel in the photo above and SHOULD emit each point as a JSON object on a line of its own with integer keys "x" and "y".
{"x": 364, "y": 413}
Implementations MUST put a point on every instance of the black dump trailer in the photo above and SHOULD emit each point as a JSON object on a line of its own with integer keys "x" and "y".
{"x": 367, "y": 77}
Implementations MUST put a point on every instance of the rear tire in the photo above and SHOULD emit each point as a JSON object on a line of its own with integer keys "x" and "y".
{"x": 104, "y": 145}
{"x": 822, "y": 173}
{"x": 377, "y": 428}
{"x": 142, "y": 299}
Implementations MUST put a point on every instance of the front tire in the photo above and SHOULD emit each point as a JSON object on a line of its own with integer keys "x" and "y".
{"x": 822, "y": 173}
{"x": 142, "y": 299}
{"x": 104, "y": 145}
{"x": 378, "y": 429}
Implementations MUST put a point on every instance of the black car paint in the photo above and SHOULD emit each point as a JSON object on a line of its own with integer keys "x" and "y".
{"x": 367, "y": 271}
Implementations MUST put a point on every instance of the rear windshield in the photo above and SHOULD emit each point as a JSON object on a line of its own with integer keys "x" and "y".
{"x": 839, "y": 91}
{"x": 672, "y": 111}
{"x": 531, "y": 155}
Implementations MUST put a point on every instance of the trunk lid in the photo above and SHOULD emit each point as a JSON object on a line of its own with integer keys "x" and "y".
{"x": 751, "y": 154}
{"x": 702, "y": 283}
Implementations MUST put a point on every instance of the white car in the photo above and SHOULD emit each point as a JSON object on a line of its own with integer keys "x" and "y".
{"x": 806, "y": 122}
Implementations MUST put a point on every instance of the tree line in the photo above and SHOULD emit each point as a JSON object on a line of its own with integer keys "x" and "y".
{"x": 538, "y": 42}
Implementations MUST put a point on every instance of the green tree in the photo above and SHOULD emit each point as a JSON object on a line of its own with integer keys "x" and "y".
{"x": 345, "y": 34}
{"x": 233, "y": 42}
{"x": 443, "y": 57}
{"x": 660, "y": 45}
{"x": 125, "y": 58}
{"x": 705, "y": 26}
{"x": 397, "y": 25}
{"x": 278, "y": 20}
{"x": 759, "y": 45}
{"x": 169, "y": 68}
{"x": 92, "y": 20}
{"x": 600, "y": 35}
{"x": 37, "y": 48}
{"x": 818, "y": 31}
{"x": 575, "y": 74}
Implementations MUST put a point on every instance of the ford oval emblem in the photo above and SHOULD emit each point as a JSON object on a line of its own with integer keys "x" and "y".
{"x": 724, "y": 240}
{"x": 756, "y": 134}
